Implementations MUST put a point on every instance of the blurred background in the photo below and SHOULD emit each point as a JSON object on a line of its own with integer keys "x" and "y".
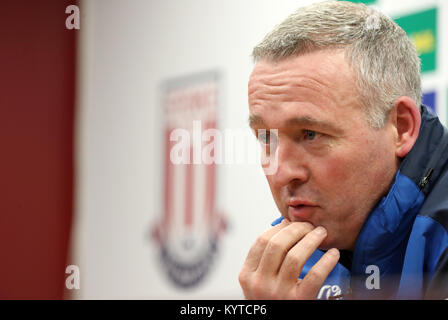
{"x": 91, "y": 205}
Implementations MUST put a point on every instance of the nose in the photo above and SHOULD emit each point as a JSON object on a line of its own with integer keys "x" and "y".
{"x": 292, "y": 167}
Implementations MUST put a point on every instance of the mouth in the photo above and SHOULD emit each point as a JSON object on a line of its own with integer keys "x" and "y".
{"x": 299, "y": 210}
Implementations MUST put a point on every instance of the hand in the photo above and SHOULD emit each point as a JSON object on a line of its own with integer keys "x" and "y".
{"x": 274, "y": 263}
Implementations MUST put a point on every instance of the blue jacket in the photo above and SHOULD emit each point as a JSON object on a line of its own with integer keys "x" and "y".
{"x": 401, "y": 251}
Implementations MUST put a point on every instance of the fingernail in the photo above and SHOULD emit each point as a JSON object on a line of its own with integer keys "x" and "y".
{"x": 334, "y": 252}
{"x": 320, "y": 231}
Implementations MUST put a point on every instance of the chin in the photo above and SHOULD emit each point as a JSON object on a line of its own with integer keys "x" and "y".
{"x": 326, "y": 247}
{"x": 327, "y": 244}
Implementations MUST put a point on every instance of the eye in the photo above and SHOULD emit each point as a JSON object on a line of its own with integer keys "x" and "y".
{"x": 310, "y": 135}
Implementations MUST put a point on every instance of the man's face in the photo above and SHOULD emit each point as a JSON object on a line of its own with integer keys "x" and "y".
{"x": 332, "y": 166}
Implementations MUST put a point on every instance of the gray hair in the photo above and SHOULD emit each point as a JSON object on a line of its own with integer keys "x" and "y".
{"x": 385, "y": 62}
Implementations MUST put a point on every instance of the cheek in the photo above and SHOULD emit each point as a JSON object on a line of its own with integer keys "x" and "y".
{"x": 275, "y": 191}
{"x": 336, "y": 173}
{"x": 346, "y": 178}
{"x": 358, "y": 161}
{"x": 353, "y": 180}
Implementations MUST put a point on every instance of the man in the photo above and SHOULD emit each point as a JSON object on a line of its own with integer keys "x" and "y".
{"x": 361, "y": 184}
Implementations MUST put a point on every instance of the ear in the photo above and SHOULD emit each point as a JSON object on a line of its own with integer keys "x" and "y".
{"x": 407, "y": 119}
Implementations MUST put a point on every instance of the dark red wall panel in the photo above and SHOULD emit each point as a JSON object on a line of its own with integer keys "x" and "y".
{"x": 37, "y": 94}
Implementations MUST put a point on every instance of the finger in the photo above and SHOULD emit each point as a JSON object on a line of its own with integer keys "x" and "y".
{"x": 256, "y": 251}
{"x": 280, "y": 244}
{"x": 296, "y": 257}
{"x": 310, "y": 285}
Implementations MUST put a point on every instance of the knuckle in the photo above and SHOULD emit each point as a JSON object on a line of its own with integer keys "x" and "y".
{"x": 291, "y": 232}
{"x": 243, "y": 278}
{"x": 277, "y": 248}
{"x": 262, "y": 241}
{"x": 292, "y": 260}
{"x": 275, "y": 245}
{"x": 256, "y": 285}
{"x": 314, "y": 275}
{"x": 260, "y": 287}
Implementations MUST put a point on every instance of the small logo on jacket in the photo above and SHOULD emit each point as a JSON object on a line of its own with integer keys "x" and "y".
{"x": 328, "y": 291}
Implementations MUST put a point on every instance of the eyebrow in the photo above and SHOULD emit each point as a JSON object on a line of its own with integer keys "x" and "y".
{"x": 255, "y": 120}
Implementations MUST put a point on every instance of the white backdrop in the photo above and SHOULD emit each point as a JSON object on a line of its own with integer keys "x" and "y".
{"x": 126, "y": 50}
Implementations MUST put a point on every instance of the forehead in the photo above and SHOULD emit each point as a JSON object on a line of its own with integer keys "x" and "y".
{"x": 317, "y": 85}
{"x": 322, "y": 64}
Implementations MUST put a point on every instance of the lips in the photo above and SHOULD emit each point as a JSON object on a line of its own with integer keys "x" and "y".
{"x": 299, "y": 202}
{"x": 300, "y": 210}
